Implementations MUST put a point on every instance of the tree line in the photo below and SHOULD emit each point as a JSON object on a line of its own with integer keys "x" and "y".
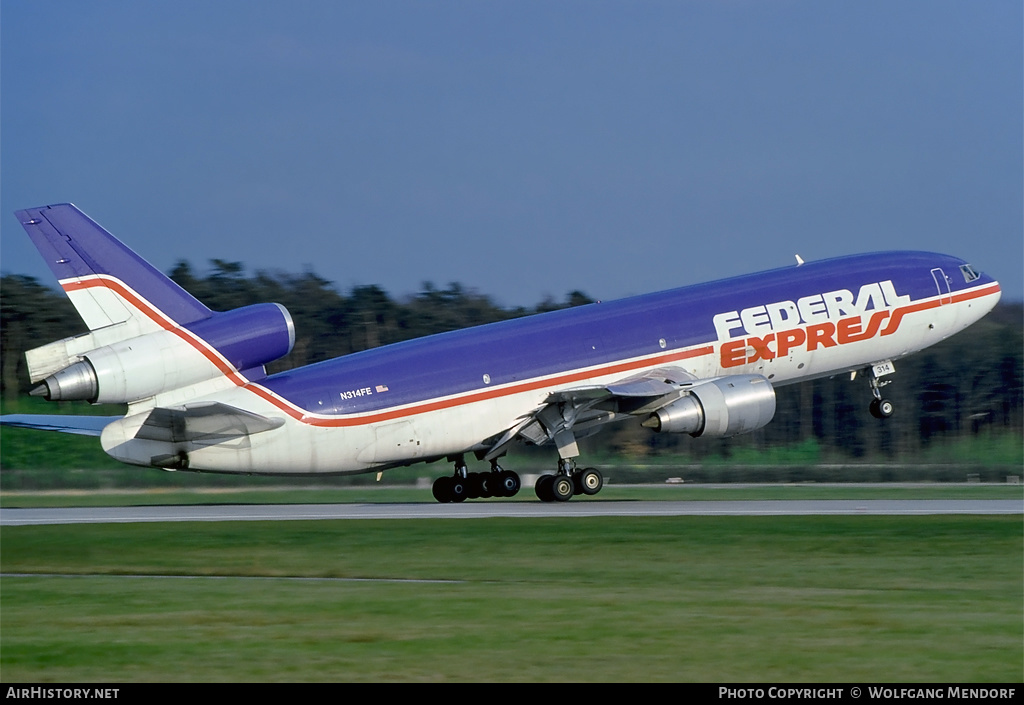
{"x": 967, "y": 387}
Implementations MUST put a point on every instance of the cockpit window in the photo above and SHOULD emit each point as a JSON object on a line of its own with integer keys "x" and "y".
{"x": 968, "y": 272}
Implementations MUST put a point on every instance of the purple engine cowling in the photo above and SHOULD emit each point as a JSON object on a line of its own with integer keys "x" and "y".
{"x": 250, "y": 336}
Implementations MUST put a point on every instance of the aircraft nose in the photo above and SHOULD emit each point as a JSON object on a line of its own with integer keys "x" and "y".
{"x": 988, "y": 280}
{"x": 993, "y": 291}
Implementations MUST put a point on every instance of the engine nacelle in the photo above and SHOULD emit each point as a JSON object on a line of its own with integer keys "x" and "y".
{"x": 146, "y": 365}
{"x": 727, "y": 406}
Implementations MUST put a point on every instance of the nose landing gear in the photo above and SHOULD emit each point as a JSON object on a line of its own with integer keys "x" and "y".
{"x": 880, "y": 407}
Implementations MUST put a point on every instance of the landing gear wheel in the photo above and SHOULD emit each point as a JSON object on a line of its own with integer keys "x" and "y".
{"x": 442, "y": 489}
{"x": 506, "y": 484}
{"x": 458, "y": 490}
{"x": 591, "y": 481}
{"x": 479, "y": 484}
{"x": 881, "y": 408}
{"x": 562, "y": 488}
{"x": 488, "y": 487}
{"x": 543, "y": 488}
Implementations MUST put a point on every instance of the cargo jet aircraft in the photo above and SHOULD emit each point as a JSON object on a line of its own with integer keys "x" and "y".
{"x": 702, "y": 360}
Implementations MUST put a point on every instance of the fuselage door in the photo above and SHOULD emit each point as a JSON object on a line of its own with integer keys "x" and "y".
{"x": 942, "y": 284}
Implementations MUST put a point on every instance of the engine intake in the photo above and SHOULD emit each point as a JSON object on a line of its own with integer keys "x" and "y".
{"x": 721, "y": 407}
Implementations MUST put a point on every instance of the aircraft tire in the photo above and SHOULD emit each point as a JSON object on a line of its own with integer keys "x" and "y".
{"x": 543, "y": 488}
{"x": 507, "y": 484}
{"x": 473, "y": 486}
{"x": 489, "y": 485}
{"x": 562, "y": 488}
{"x": 480, "y": 484}
{"x": 458, "y": 489}
{"x": 882, "y": 408}
{"x": 591, "y": 481}
{"x": 441, "y": 489}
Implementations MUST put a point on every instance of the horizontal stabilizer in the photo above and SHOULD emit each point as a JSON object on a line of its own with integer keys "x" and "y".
{"x": 79, "y": 425}
{"x": 205, "y": 422}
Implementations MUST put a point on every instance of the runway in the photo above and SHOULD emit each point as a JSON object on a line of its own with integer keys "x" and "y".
{"x": 492, "y": 509}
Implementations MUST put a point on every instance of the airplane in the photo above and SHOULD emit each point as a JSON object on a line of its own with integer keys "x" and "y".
{"x": 702, "y": 360}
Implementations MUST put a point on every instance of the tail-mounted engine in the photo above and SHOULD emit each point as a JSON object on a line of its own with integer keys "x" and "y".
{"x": 139, "y": 367}
{"x": 727, "y": 406}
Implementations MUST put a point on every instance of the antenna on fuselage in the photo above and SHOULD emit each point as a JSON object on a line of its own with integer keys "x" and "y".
{"x": 799, "y": 260}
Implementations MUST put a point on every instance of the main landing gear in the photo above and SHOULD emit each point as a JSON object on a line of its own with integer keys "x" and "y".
{"x": 465, "y": 485}
{"x": 561, "y": 486}
{"x": 568, "y": 481}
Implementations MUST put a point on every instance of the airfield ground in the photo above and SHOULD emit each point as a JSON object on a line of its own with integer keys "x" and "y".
{"x": 730, "y": 599}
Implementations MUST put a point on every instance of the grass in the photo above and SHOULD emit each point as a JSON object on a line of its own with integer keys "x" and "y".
{"x": 727, "y": 599}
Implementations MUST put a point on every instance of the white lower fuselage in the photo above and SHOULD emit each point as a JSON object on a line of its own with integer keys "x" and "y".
{"x": 311, "y": 443}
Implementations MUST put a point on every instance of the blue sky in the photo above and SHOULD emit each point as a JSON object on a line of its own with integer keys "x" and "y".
{"x": 523, "y": 149}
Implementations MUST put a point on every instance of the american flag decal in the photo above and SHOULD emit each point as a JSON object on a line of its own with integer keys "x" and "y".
{"x": 381, "y": 388}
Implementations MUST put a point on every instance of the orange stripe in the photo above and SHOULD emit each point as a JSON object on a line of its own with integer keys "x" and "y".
{"x": 977, "y": 293}
{"x": 301, "y": 415}
{"x": 899, "y": 313}
{"x": 485, "y": 395}
{"x": 161, "y": 320}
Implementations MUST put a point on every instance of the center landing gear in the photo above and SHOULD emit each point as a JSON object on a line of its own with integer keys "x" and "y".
{"x": 463, "y": 485}
{"x": 568, "y": 481}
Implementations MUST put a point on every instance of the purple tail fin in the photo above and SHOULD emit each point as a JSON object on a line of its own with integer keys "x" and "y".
{"x": 106, "y": 281}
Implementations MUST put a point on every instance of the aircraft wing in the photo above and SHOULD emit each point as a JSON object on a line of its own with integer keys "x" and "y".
{"x": 205, "y": 423}
{"x": 574, "y": 413}
{"x": 79, "y": 425}
{"x": 653, "y": 383}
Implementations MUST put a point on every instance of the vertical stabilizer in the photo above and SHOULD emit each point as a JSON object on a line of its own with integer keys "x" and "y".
{"x": 107, "y": 282}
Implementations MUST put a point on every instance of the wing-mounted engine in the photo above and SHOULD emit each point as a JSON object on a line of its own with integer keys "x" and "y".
{"x": 575, "y": 413}
{"x": 727, "y": 406}
{"x": 101, "y": 367}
